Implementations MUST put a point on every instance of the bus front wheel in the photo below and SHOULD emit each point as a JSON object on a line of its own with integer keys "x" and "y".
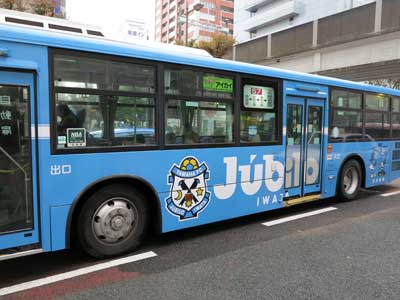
{"x": 350, "y": 180}
{"x": 113, "y": 221}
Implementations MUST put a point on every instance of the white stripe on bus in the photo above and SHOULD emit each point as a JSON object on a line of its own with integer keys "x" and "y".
{"x": 43, "y": 131}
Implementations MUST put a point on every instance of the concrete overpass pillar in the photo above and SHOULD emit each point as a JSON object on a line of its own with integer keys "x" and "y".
{"x": 317, "y": 62}
{"x": 269, "y": 47}
{"x": 315, "y": 34}
{"x": 378, "y": 15}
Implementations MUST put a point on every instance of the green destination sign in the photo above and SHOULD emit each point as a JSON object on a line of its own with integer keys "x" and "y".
{"x": 217, "y": 84}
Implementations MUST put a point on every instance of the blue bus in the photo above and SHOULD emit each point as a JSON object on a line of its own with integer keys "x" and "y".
{"x": 101, "y": 141}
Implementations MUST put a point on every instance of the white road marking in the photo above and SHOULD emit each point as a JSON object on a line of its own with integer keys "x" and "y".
{"x": 390, "y": 194}
{"x": 299, "y": 216}
{"x": 63, "y": 276}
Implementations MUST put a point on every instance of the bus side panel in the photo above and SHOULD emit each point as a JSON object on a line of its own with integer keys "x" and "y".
{"x": 376, "y": 158}
{"x": 395, "y": 166}
{"x": 223, "y": 182}
{"x": 59, "y": 216}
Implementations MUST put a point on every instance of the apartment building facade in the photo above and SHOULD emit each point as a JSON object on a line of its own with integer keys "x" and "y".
{"x": 256, "y": 18}
{"x": 183, "y": 21}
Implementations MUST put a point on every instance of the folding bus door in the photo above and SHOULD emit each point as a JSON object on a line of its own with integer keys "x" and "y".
{"x": 304, "y": 136}
{"x": 18, "y": 191}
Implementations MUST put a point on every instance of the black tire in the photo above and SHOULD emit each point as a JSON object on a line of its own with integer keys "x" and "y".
{"x": 124, "y": 215}
{"x": 350, "y": 180}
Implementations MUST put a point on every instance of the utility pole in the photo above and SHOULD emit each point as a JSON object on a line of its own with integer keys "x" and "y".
{"x": 187, "y": 22}
{"x": 196, "y": 7}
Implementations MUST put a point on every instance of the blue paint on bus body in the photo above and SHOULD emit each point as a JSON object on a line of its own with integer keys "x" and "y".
{"x": 229, "y": 188}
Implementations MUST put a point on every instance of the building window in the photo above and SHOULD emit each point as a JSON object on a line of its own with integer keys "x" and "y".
{"x": 208, "y": 5}
{"x": 253, "y": 34}
{"x": 227, "y": 9}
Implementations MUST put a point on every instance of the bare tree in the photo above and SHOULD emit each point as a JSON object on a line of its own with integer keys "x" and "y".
{"x": 40, "y": 7}
{"x": 393, "y": 83}
{"x": 8, "y": 4}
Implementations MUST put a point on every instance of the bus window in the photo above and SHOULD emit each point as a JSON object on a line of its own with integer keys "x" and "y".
{"x": 258, "y": 116}
{"x": 132, "y": 77}
{"x": 346, "y": 99}
{"x": 79, "y": 72}
{"x": 103, "y": 103}
{"x": 199, "y": 107}
{"x": 77, "y": 111}
{"x": 134, "y": 121}
{"x": 182, "y": 82}
{"x": 396, "y": 118}
{"x": 377, "y": 123}
{"x": 191, "y": 122}
{"x": 91, "y": 73}
{"x": 346, "y": 116}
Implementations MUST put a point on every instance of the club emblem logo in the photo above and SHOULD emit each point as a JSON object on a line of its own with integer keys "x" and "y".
{"x": 189, "y": 194}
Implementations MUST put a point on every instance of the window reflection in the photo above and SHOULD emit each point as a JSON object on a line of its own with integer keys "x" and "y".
{"x": 198, "y": 122}
{"x": 257, "y": 126}
{"x": 105, "y": 120}
{"x": 91, "y": 73}
{"x": 15, "y": 160}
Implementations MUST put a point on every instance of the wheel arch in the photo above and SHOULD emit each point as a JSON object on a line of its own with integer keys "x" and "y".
{"x": 139, "y": 183}
{"x": 360, "y": 160}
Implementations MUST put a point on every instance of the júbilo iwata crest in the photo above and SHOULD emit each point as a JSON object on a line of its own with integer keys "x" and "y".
{"x": 189, "y": 195}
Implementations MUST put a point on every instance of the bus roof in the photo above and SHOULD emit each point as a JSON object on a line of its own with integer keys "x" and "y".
{"x": 167, "y": 54}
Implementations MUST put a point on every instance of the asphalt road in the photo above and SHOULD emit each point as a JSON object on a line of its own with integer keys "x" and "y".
{"x": 352, "y": 252}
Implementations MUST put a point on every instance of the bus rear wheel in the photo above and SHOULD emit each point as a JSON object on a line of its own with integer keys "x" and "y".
{"x": 113, "y": 221}
{"x": 350, "y": 180}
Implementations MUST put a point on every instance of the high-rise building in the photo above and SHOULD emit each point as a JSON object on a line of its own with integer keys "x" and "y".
{"x": 181, "y": 21}
{"x": 255, "y": 18}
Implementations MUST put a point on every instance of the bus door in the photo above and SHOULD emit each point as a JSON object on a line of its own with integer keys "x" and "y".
{"x": 304, "y": 136}
{"x": 18, "y": 197}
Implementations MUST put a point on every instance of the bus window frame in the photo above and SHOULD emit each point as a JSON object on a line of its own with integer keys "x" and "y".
{"x": 277, "y": 85}
{"x": 363, "y": 111}
{"x": 332, "y": 108}
{"x": 166, "y": 97}
{"x": 106, "y": 57}
{"x": 389, "y": 112}
{"x": 160, "y": 98}
{"x": 391, "y": 115}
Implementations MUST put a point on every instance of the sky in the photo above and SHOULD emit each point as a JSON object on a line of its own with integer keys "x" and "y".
{"x": 110, "y": 14}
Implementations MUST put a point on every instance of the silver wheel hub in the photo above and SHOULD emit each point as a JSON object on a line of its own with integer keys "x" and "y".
{"x": 350, "y": 180}
{"x": 114, "y": 220}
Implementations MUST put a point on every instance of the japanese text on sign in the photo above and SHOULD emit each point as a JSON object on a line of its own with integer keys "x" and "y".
{"x": 60, "y": 170}
{"x": 258, "y": 97}
{"x": 218, "y": 84}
